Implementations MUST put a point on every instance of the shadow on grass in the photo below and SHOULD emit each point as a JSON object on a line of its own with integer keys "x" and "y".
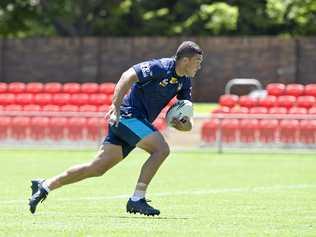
{"x": 148, "y": 217}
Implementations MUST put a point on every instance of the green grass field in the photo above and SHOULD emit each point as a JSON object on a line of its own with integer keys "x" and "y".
{"x": 204, "y": 108}
{"x": 198, "y": 193}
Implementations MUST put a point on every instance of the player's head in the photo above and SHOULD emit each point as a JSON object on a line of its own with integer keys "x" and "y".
{"x": 189, "y": 57}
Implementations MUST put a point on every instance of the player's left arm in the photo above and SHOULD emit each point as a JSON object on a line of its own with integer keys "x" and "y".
{"x": 185, "y": 123}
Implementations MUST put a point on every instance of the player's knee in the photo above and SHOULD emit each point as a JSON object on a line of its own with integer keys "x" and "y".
{"x": 163, "y": 150}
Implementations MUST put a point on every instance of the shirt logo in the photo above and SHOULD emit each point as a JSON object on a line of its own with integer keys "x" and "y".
{"x": 164, "y": 82}
{"x": 167, "y": 81}
{"x": 173, "y": 80}
{"x": 145, "y": 68}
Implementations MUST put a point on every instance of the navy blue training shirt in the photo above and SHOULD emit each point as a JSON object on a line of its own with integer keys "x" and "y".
{"x": 158, "y": 84}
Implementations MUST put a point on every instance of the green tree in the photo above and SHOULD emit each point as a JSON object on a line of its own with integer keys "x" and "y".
{"x": 23, "y": 18}
{"x": 296, "y": 17}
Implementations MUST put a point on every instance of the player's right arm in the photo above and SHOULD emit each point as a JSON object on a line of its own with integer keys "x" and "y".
{"x": 126, "y": 81}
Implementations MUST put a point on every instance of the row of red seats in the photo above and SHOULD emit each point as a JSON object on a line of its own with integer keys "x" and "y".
{"x": 286, "y": 101}
{"x": 57, "y": 128}
{"x": 54, "y": 108}
{"x": 57, "y": 87}
{"x": 57, "y": 99}
{"x": 264, "y": 110}
{"x": 278, "y": 89}
{"x": 288, "y": 131}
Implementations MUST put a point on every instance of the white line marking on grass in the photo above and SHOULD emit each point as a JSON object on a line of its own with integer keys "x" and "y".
{"x": 187, "y": 193}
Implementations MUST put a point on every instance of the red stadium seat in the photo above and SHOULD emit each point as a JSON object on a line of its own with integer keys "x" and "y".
{"x": 247, "y": 101}
{"x": 79, "y": 99}
{"x": 278, "y": 110}
{"x": 20, "y": 127}
{"x": 312, "y": 110}
{"x": 13, "y": 107}
{"x": 294, "y": 89}
{"x": 88, "y": 108}
{"x": 39, "y": 128}
{"x": 5, "y": 123}
{"x": 43, "y": 99}
{"x": 98, "y": 99}
{"x": 16, "y": 87}
{"x": 258, "y": 110}
{"x": 96, "y": 128}
{"x": 276, "y": 89}
{"x": 76, "y": 127}
{"x": 239, "y": 110}
{"x": 221, "y": 110}
{"x": 7, "y": 98}
{"x": 71, "y": 88}
{"x": 107, "y": 88}
{"x": 57, "y": 128}
{"x": 310, "y": 90}
{"x": 268, "y": 101}
{"x": 61, "y": 99}
{"x": 69, "y": 108}
{"x": 103, "y": 108}
{"x": 286, "y": 101}
{"x": 307, "y": 131}
{"x": 289, "y": 129}
{"x": 298, "y": 110}
{"x": 3, "y": 87}
{"x": 34, "y": 87}
{"x": 248, "y": 129}
{"x": 306, "y": 101}
{"x": 109, "y": 99}
{"x": 24, "y": 98}
{"x": 90, "y": 88}
{"x": 32, "y": 108}
{"x": 53, "y": 87}
{"x": 228, "y": 100}
{"x": 268, "y": 129}
{"x": 209, "y": 130}
{"x": 50, "y": 108}
{"x": 229, "y": 129}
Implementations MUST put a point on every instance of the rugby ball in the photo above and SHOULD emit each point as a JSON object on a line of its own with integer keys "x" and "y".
{"x": 179, "y": 109}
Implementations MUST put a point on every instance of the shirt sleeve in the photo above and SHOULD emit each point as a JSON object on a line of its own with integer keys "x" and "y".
{"x": 185, "y": 93}
{"x": 148, "y": 70}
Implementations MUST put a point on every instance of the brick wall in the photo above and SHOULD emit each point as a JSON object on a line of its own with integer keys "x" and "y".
{"x": 268, "y": 59}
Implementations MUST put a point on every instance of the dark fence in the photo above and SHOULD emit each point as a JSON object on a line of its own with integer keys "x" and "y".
{"x": 268, "y": 59}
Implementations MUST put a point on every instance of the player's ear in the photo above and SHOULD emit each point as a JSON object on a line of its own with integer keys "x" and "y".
{"x": 185, "y": 60}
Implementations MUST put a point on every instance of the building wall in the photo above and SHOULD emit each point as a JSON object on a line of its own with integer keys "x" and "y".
{"x": 268, "y": 59}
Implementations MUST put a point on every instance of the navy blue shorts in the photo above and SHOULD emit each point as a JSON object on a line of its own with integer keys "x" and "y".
{"x": 128, "y": 133}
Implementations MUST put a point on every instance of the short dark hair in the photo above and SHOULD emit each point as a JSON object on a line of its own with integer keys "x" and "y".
{"x": 188, "y": 49}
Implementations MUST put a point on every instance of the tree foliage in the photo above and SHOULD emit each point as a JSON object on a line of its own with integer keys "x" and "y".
{"x": 24, "y": 18}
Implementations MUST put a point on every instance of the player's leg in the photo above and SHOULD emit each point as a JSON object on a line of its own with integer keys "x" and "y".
{"x": 158, "y": 149}
{"x": 107, "y": 156}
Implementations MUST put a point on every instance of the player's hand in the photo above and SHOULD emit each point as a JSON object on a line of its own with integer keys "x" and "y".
{"x": 183, "y": 124}
{"x": 113, "y": 115}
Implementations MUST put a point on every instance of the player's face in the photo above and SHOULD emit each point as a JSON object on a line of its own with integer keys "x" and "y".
{"x": 193, "y": 65}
